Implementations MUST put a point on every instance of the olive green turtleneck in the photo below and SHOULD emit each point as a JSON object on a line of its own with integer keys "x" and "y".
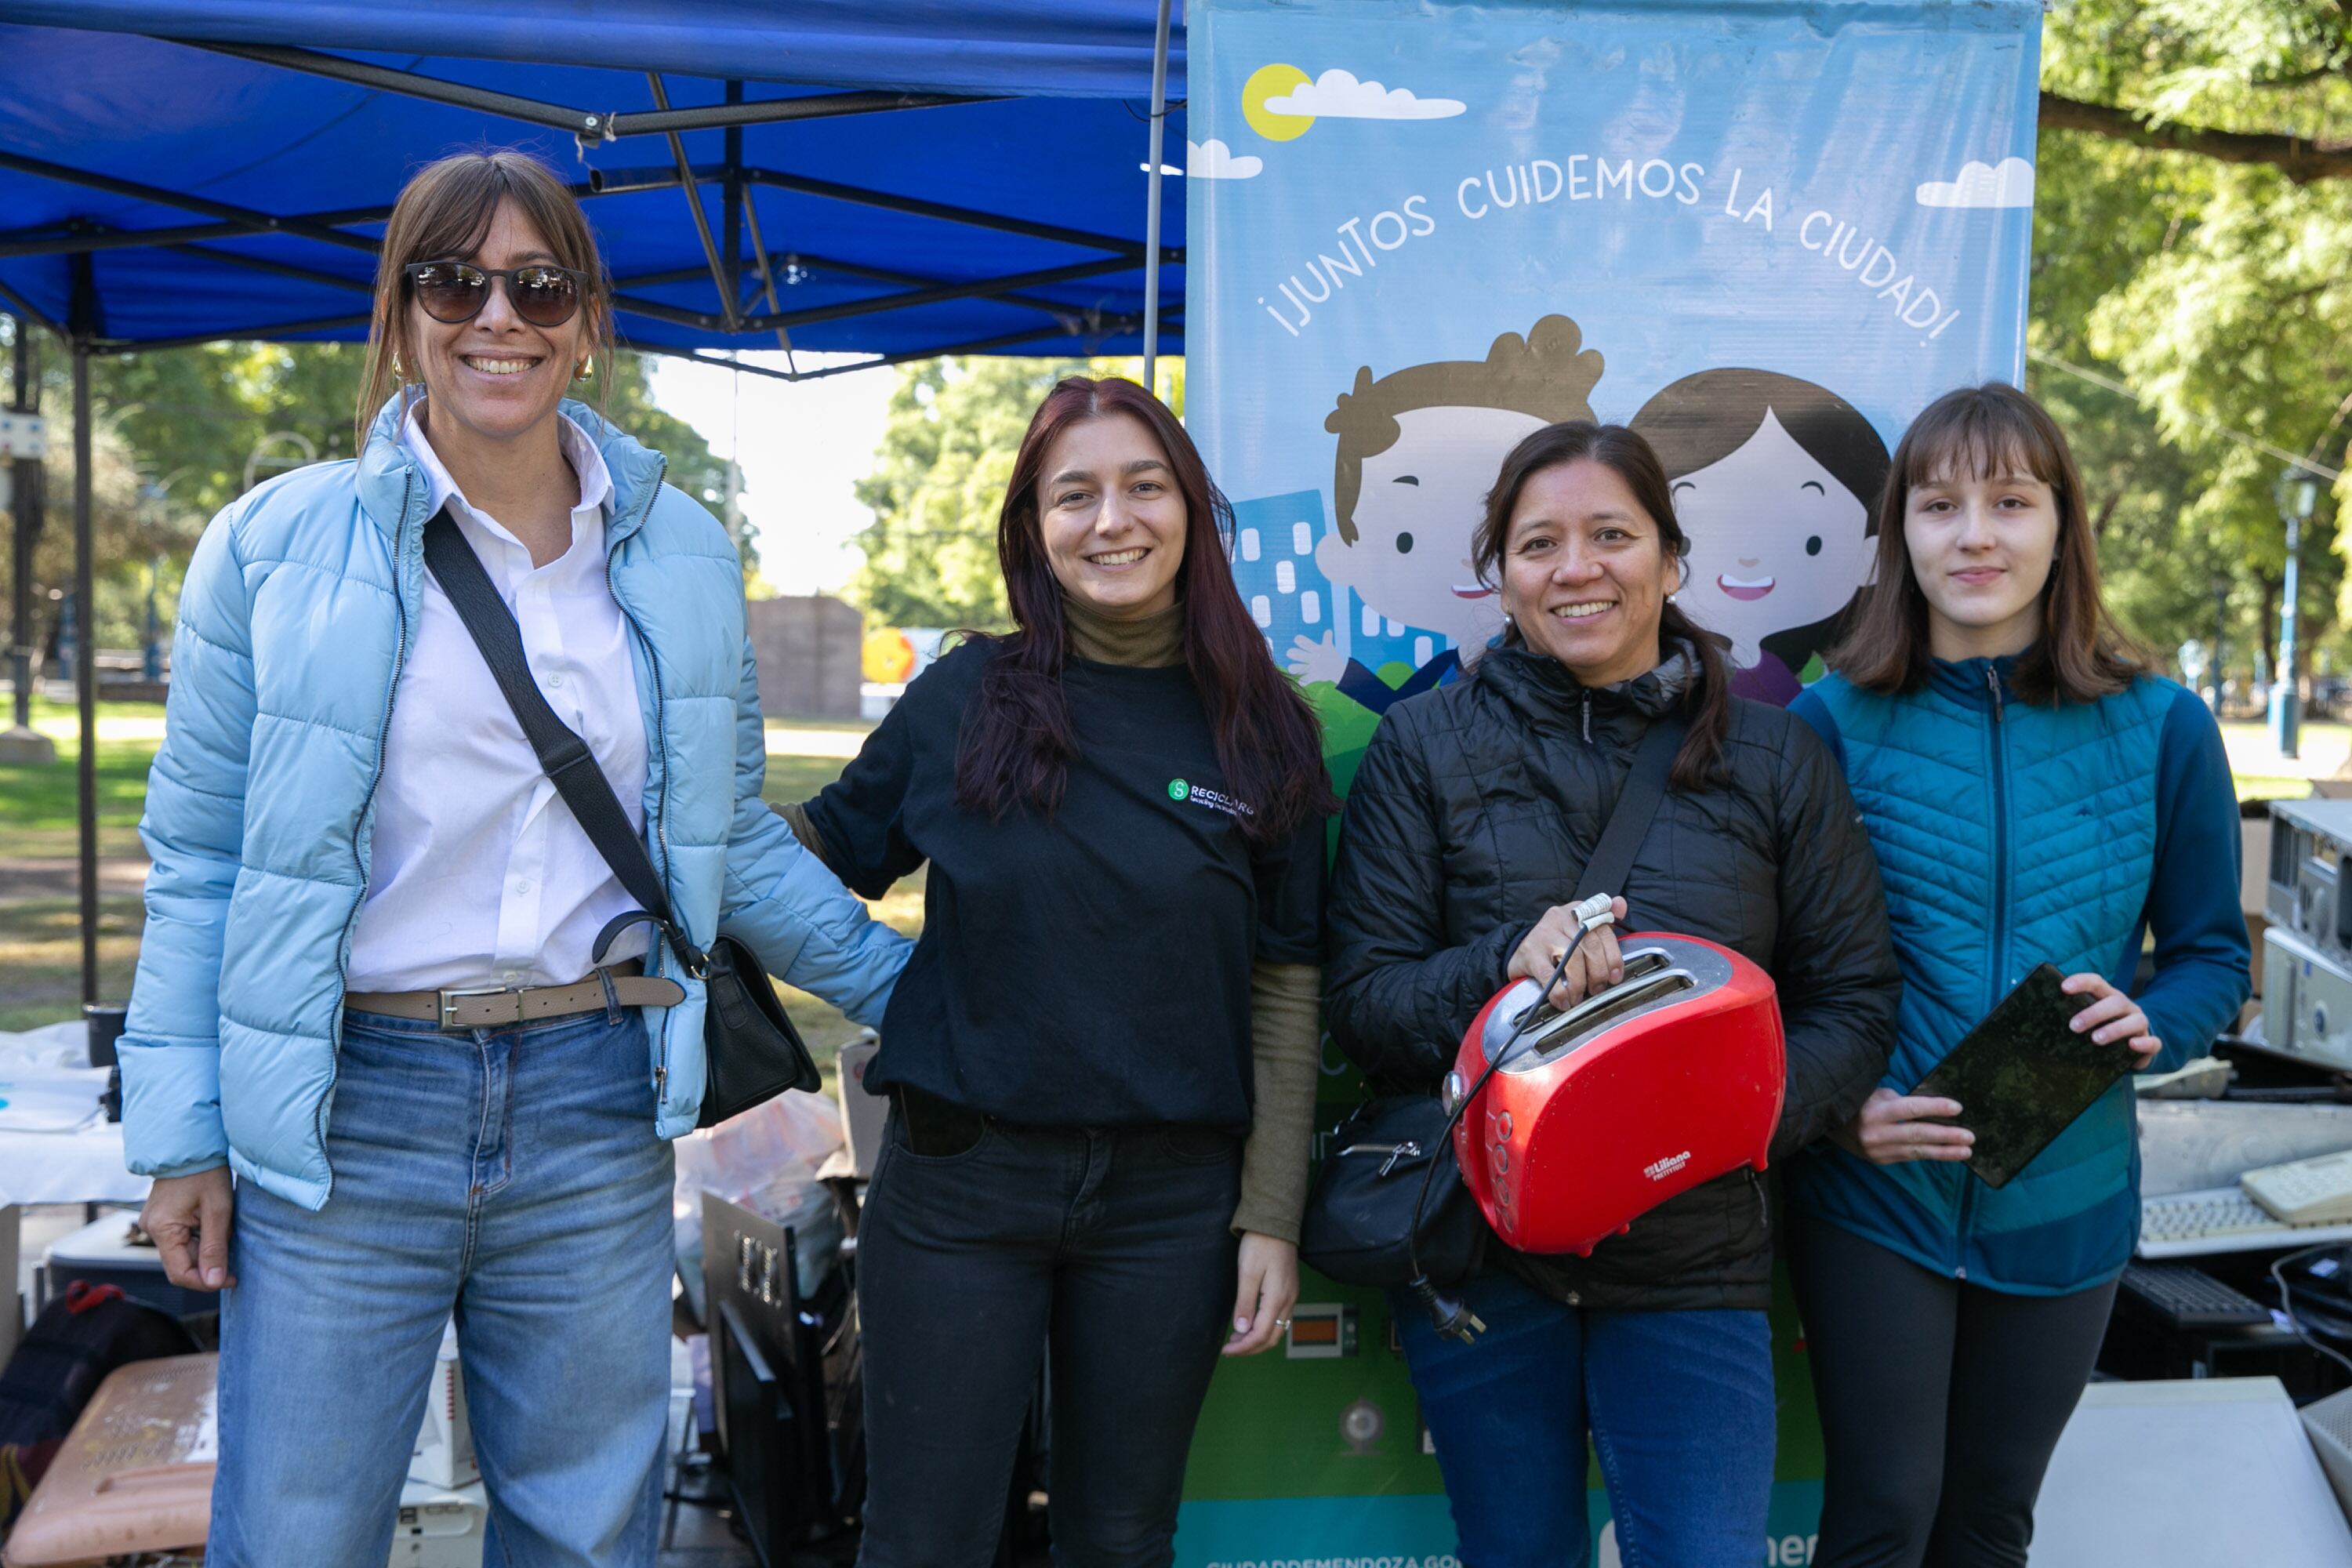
{"x": 1286, "y": 1031}
{"x": 1146, "y": 642}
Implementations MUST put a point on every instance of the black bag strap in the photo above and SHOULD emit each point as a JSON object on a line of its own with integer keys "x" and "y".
{"x": 1637, "y": 803}
{"x": 569, "y": 763}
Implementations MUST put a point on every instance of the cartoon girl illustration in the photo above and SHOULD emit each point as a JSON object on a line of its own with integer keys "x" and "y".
{"x": 1419, "y": 449}
{"x": 1774, "y": 480}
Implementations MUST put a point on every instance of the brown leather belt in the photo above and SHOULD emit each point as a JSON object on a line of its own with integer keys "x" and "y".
{"x": 623, "y": 984}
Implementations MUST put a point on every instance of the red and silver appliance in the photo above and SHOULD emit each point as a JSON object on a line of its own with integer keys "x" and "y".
{"x": 1600, "y": 1113}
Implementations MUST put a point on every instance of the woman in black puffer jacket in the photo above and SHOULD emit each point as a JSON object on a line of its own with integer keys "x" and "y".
{"x": 1468, "y": 823}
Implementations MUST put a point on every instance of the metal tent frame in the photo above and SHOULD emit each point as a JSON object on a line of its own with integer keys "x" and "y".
{"x": 736, "y": 259}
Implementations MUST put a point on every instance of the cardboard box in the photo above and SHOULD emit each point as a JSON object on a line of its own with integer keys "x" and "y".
{"x": 443, "y": 1455}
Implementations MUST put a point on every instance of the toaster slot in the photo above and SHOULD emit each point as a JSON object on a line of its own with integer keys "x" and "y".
{"x": 1639, "y": 962}
{"x": 1626, "y": 997}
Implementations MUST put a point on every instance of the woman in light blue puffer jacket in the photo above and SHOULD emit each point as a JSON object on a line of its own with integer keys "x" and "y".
{"x": 366, "y": 988}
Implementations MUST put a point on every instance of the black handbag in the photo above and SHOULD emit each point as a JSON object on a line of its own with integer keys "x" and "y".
{"x": 750, "y": 1050}
{"x": 1354, "y": 1227}
{"x": 1358, "y": 1226}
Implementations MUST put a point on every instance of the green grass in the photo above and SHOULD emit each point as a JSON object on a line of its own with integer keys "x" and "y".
{"x": 37, "y": 805}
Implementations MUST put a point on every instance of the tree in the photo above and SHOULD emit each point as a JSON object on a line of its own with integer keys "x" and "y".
{"x": 2188, "y": 245}
{"x": 938, "y": 483}
{"x": 2238, "y": 81}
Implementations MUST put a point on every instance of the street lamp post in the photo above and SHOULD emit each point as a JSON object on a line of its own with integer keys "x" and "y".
{"x": 2220, "y": 635}
{"x": 2298, "y": 495}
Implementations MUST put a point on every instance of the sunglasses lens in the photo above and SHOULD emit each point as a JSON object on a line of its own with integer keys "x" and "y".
{"x": 450, "y": 291}
{"x": 544, "y": 296}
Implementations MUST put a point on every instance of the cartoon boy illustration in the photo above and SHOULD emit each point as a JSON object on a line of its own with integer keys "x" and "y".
{"x": 1419, "y": 449}
{"x": 1774, "y": 480}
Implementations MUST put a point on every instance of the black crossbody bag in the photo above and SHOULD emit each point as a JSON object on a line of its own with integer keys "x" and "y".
{"x": 751, "y": 1049}
{"x": 1360, "y": 1208}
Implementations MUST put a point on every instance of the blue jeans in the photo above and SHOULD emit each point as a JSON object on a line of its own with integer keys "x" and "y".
{"x": 1678, "y": 1406}
{"x": 510, "y": 1174}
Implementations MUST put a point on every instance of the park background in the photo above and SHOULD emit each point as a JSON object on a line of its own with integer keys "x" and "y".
{"x": 2190, "y": 324}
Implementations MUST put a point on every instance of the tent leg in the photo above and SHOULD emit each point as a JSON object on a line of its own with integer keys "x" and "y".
{"x": 1151, "y": 207}
{"x": 22, "y": 742}
{"x": 86, "y": 671}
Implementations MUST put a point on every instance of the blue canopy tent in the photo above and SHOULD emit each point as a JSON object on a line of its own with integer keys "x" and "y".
{"x": 902, "y": 178}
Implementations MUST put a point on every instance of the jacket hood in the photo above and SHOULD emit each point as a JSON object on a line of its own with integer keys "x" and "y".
{"x": 387, "y": 471}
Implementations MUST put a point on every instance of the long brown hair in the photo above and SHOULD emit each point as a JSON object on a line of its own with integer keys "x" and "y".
{"x": 1631, "y": 458}
{"x": 2079, "y": 655}
{"x": 1018, "y": 742}
{"x": 444, "y": 212}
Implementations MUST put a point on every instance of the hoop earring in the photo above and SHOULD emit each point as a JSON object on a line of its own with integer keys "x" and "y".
{"x": 396, "y": 372}
{"x": 587, "y": 368}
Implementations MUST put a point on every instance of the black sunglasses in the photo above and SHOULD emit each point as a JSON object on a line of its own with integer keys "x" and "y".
{"x": 455, "y": 291}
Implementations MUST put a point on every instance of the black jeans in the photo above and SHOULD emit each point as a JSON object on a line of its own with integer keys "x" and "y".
{"x": 1111, "y": 1249}
{"x": 1941, "y": 1402}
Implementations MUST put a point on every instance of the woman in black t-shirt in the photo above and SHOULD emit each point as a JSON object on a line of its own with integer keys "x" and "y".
{"x": 1101, "y": 1058}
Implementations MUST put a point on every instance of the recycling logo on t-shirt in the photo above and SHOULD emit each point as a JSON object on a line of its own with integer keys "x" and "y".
{"x": 1180, "y": 791}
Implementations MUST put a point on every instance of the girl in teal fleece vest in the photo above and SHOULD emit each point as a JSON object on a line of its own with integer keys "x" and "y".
{"x": 2033, "y": 795}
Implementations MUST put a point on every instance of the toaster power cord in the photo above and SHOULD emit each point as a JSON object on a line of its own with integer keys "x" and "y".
{"x": 1450, "y": 1315}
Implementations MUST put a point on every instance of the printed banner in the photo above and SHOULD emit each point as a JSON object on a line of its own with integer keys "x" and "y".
{"x": 1765, "y": 233}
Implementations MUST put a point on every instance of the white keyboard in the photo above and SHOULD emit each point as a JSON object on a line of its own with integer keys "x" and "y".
{"x": 2316, "y": 1191}
{"x": 2221, "y": 1219}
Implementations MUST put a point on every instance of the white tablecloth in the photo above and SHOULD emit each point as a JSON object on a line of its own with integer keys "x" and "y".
{"x": 84, "y": 1165}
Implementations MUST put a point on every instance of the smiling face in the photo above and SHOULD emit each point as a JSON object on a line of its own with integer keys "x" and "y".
{"x": 1585, "y": 572}
{"x": 1418, "y": 506}
{"x": 496, "y": 378}
{"x": 1982, "y": 547}
{"x": 1776, "y": 543}
{"x": 1112, "y": 519}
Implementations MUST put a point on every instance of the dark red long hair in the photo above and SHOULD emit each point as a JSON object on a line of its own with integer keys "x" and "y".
{"x": 1017, "y": 742}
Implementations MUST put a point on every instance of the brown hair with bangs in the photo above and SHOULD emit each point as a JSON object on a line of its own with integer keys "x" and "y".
{"x": 444, "y": 213}
{"x": 1987, "y": 431}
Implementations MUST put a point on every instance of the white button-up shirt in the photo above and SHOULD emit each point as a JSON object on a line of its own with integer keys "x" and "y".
{"x": 478, "y": 874}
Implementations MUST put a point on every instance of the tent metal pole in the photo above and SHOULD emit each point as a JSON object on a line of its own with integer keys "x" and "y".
{"x": 27, "y": 310}
{"x": 1151, "y": 204}
{"x": 19, "y": 243}
{"x": 47, "y": 241}
{"x": 263, "y": 223}
{"x": 83, "y": 315}
{"x": 767, "y": 270}
{"x": 731, "y": 204}
{"x": 581, "y": 122}
{"x": 29, "y": 492}
{"x": 282, "y": 269}
{"x": 257, "y": 335}
{"x": 917, "y": 207}
{"x": 1107, "y": 327}
{"x": 732, "y": 307}
{"x": 622, "y": 181}
{"x": 979, "y": 288}
{"x": 761, "y": 258}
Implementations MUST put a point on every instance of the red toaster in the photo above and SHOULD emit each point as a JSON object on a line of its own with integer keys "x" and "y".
{"x": 1665, "y": 1079}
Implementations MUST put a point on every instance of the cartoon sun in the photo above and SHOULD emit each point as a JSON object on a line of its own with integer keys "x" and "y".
{"x": 1273, "y": 82}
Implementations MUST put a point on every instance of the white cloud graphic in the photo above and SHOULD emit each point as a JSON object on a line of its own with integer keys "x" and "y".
{"x": 2009, "y": 183}
{"x": 1338, "y": 94}
{"x": 1213, "y": 160}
